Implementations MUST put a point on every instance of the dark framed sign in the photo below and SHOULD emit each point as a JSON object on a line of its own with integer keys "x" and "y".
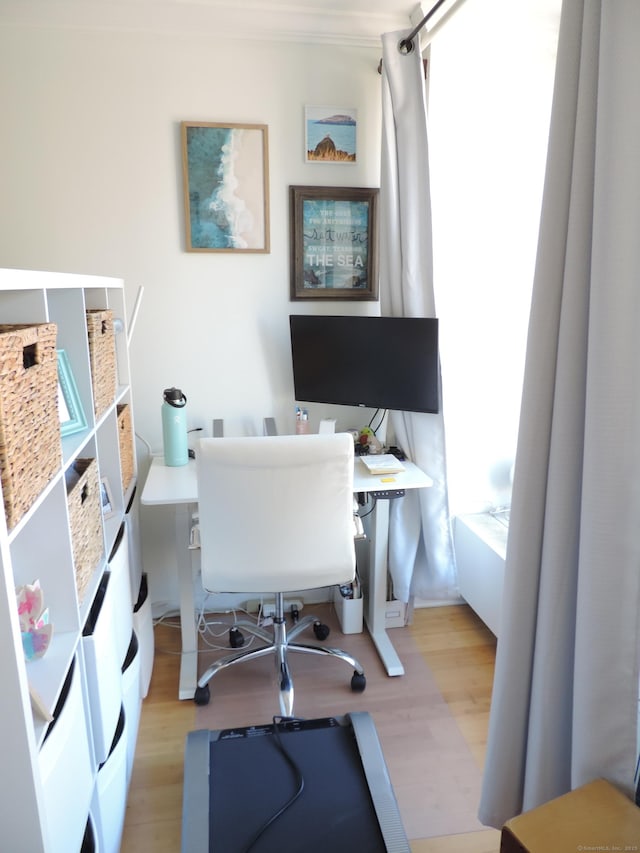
{"x": 334, "y": 243}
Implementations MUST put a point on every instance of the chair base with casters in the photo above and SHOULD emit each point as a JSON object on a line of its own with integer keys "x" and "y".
{"x": 279, "y": 644}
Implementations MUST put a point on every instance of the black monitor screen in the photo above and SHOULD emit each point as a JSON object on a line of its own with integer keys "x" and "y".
{"x": 377, "y": 362}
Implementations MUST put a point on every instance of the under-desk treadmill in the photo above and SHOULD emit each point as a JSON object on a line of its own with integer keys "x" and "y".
{"x": 237, "y": 781}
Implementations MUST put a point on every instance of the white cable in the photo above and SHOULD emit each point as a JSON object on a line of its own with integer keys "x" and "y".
{"x": 134, "y": 315}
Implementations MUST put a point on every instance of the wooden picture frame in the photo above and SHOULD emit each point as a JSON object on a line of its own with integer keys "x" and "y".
{"x": 334, "y": 243}
{"x": 70, "y": 411}
{"x": 226, "y": 186}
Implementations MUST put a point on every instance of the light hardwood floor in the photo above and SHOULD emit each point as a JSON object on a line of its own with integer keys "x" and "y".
{"x": 458, "y": 648}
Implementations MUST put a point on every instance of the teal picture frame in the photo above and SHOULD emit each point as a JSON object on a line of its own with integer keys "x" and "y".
{"x": 71, "y": 413}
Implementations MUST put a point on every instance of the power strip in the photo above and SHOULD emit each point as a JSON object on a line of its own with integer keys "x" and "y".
{"x": 269, "y": 606}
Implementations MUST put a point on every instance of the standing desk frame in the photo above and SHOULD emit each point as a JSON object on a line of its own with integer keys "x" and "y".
{"x": 178, "y": 487}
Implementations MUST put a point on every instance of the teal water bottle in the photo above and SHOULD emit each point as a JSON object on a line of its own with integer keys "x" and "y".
{"x": 174, "y": 428}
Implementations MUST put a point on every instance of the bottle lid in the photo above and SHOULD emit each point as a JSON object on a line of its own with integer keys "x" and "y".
{"x": 174, "y": 397}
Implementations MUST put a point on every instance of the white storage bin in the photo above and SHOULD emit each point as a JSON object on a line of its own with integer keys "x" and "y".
{"x": 121, "y": 593}
{"x": 131, "y": 698}
{"x": 143, "y": 626}
{"x": 349, "y": 612}
{"x": 104, "y": 675}
{"x": 66, "y": 769}
{"x": 132, "y": 520}
{"x": 110, "y": 796}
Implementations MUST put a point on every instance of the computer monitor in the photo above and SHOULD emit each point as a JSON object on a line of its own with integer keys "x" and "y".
{"x": 375, "y": 362}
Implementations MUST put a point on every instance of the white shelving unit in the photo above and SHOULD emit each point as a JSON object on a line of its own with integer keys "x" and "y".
{"x": 54, "y": 779}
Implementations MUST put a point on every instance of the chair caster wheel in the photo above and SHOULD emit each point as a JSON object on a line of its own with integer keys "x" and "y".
{"x": 236, "y": 638}
{"x": 358, "y": 682}
{"x": 202, "y": 695}
{"x": 321, "y": 631}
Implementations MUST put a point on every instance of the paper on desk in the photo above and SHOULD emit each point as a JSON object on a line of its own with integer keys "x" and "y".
{"x": 385, "y": 463}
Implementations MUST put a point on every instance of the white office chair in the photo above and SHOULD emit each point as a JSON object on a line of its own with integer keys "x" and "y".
{"x": 276, "y": 516}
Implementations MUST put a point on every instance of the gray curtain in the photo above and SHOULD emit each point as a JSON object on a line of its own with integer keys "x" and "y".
{"x": 565, "y": 701}
{"x": 421, "y": 560}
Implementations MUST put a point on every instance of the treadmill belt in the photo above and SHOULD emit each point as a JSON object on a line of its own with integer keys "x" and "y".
{"x": 251, "y": 780}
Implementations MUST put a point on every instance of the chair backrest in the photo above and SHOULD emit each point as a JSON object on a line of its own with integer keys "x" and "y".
{"x": 276, "y": 512}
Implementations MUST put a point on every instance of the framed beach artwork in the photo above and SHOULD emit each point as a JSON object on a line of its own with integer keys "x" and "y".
{"x": 226, "y": 187}
{"x": 330, "y": 135}
{"x": 334, "y": 243}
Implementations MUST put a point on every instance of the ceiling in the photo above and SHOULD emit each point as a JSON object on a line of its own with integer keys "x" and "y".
{"x": 350, "y": 22}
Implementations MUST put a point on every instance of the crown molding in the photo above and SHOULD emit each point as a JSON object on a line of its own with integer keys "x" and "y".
{"x": 358, "y": 23}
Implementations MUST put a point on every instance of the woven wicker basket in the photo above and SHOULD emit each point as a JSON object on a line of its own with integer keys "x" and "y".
{"x": 85, "y": 520}
{"x": 102, "y": 355}
{"x": 30, "y": 447}
{"x": 125, "y": 437}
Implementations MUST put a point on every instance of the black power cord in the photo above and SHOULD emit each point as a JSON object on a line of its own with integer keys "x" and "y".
{"x": 299, "y": 780}
{"x": 191, "y": 453}
{"x": 373, "y": 417}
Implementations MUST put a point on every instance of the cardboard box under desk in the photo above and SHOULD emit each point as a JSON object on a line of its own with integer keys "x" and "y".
{"x": 593, "y": 817}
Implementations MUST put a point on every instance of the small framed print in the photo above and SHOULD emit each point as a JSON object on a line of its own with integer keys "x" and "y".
{"x": 334, "y": 243}
{"x": 330, "y": 135}
{"x": 106, "y": 498}
{"x": 226, "y": 187}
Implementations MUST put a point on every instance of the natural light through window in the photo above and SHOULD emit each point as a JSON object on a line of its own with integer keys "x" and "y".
{"x": 490, "y": 90}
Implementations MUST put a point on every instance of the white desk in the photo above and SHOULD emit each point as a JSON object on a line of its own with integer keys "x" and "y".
{"x": 178, "y": 487}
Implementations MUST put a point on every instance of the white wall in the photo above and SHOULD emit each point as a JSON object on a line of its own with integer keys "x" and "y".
{"x": 90, "y": 180}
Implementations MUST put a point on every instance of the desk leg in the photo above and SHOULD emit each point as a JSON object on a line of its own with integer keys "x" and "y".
{"x": 189, "y": 657}
{"x": 376, "y": 603}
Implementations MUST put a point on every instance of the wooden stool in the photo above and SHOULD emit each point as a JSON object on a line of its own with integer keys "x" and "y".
{"x": 593, "y": 817}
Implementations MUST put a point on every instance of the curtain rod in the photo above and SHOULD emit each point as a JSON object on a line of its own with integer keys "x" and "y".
{"x": 407, "y": 43}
